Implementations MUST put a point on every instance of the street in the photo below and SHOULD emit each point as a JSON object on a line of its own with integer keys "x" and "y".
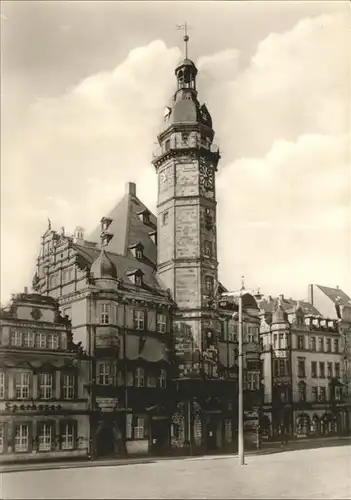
{"x": 313, "y": 473}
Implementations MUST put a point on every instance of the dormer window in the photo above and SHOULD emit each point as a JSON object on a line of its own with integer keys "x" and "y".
{"x": 138, "y": 251}
{"x": 153, "y": 236}
{"x": 105, "y": 223}
{"x": 144, "y": 216}
{"x": 136, "y": 277}
{"x": 105, "y": 239}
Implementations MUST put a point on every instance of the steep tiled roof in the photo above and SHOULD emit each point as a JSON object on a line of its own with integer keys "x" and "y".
{"x": 336, "y": 295}
{"x": 128, "y": 228}
{"x": 289, "y": 305}
{"x": 123, "y": 264}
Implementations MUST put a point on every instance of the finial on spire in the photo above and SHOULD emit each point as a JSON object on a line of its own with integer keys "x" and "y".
{"x": 186, "y": 37}
{"x": 49, "y": 224}
{"x": 243, "y": 283}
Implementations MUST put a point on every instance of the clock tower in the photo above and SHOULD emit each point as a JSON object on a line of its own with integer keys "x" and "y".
{"x": 186, "y": 164}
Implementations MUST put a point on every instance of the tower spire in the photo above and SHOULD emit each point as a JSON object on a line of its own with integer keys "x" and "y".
{"x": 185, "y": 37}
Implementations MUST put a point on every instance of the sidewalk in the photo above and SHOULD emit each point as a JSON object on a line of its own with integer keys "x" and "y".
{"x": 266, "y": 448}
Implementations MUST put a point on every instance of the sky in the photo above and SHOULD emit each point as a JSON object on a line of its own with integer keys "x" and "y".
{"x": 84, "y": 86}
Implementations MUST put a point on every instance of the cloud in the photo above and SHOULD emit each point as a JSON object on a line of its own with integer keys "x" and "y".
{"x": 283, "y": 183}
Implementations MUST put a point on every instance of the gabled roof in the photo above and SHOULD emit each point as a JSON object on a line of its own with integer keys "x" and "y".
{"x": 289, "y": 305}
{"x": 128, "y": 229}
{"x": 336, "y": 295}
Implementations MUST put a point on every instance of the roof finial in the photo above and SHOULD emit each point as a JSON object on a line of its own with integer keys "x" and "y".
{"x": 186, "y": 37}
{"x": 242, "y": 283}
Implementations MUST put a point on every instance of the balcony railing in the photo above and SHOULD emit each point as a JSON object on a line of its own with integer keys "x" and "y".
{"x": 181, "y": 145}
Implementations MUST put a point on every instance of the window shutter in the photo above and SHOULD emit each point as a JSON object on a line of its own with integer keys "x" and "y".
{"x": 75, "y": 433}
{"x": 151, "y": 321}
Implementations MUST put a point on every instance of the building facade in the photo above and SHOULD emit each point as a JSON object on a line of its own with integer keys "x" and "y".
{"x": 43, "y": 401}
{"x": 303, "y": 370}
{"x": 143, "y": 296}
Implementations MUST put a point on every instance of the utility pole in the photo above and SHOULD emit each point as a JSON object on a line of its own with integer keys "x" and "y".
{"x": 241, "y": 386}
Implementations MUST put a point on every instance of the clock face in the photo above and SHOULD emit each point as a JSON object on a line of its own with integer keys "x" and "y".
{"x": 206, "y": 177}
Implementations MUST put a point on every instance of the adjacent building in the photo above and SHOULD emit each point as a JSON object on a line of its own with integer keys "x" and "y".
{"x": 43, "y": 402}
{"x": 303, "y": 369}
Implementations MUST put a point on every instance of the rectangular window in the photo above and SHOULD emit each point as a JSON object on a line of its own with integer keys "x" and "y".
{"x": 21, "y": 438}
{"x": 328, "y": 345}
{"x": 313, "y": 343}
{"x": 2, "y": 438}
{"x": 52, "y": 341}
{"x": 53, "y": 280}
{"x": 104, "y": 314}
{"x": 253, "y": 381}
{"x": 321, "y": 369}
{"x": 320, "y": 344}
{"x": 45, "y": 437}
{"x": 275, "y": 341}
{"x": 139, "y": 377}
{"x": 45, "y": 385}
{"x": 104, "y": 374}
{"x": 300, "y": 342}
{"x": 314, "y": 394}
{"x": 337, "y": 370}
{"x": 41, "y": 340}
{"x": 163, "y": 379}
{"x": 67, "y": 275}
{"x": 67, "y": 436}
{"x": 161, "y": 323}
{"x": 336, "y": 345}
{"x": 322, "y": 394}
{"x": 22, "y": 385}
{"x": 28, "y": 339}
{"x": 232, "y": 331}
{"x": 68, "y": 386}
{"x": 329, "y": 370}
{"x": 16, "y": 339}
{"x": 313, "y": 369}
{"x": 301, "y": 372}
{"x": 302, "y": 391}
{"x": 252, "y": 334}
{"x": 139, "y": 428}
{"x": 165, "y": 218}
{"x": 139, "y": 319}
{"x": 338, "y": 393}
{"x": 2, "y": 385}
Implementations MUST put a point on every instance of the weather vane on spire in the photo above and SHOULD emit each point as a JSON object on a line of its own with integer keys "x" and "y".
{"x": 186, "y": 37}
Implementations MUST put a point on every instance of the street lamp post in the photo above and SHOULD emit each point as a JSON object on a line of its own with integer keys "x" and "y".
{"x": 240, "y": 294}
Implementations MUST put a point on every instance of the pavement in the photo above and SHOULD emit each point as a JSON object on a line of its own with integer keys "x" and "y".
{"x": 266, "y": 448}
{"x": 317, "y": 473}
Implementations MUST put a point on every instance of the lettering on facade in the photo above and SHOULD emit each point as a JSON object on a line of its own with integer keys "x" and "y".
{"x": 31, "y": 407}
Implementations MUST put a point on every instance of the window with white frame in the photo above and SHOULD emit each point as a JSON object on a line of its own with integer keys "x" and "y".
{"x": 45, "y": 436}
{"x": 2, "y": 385}
{"x": 2, "y": 438}
{"x": 139, "y": 377}
{"x": 16, "y": 339}
{"x": 67, "y": 436}
{"x": 139, "y": 253}
{"x": 139, "y": 428}
{"x": 104, "y": 374}
{"x": 28, "y": 339}
{"x": 161, "y": 323}
{"x": 21, "y": 438}
{"x": 68, "y": 386}
{"x": 22, "y": 385}
{"x": 139, "y": 319}
{"x": 45, "y": 385}
{"x": 253, "y": 381}
{"x": 232, "y": 330}
{"x": 52, "y": 341}
{"x": 163, "y": 379}
{"x": 41, "y": 340}
{"x": 105, "y": 314}
{"x": 252, "y": 334}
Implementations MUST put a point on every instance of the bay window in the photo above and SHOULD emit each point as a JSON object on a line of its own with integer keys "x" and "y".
{"x": 105, "y": 314}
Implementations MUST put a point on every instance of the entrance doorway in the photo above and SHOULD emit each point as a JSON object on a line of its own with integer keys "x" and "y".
{"x": 105, "y": 442}
{"x": 160, "y": 434}
{"x": 211, "y": 435}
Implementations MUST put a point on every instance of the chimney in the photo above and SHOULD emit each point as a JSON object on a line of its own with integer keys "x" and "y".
{"x": 26, "y": 290}
{"x": 131, "y": 188}
{"x": 310, "y": 294}
{"x": 281, "y": 296}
